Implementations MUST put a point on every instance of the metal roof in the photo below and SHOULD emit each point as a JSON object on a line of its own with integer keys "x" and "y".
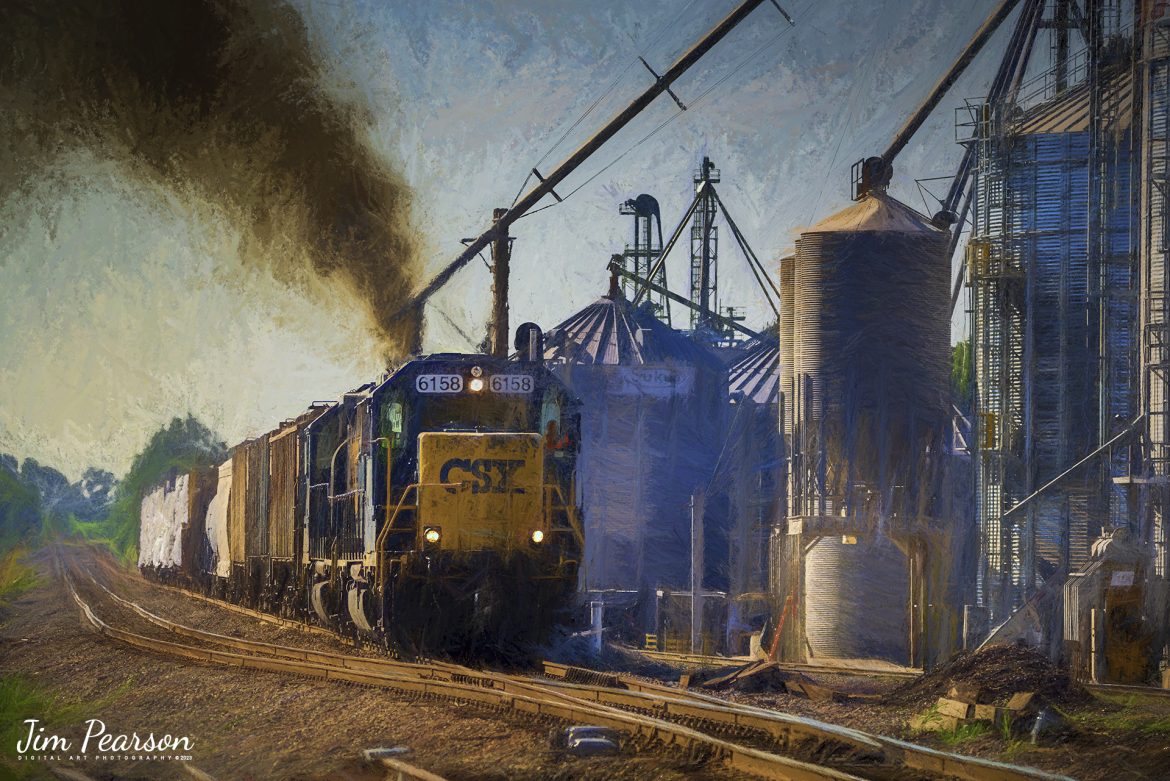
{"x": 877, "y": 211}
{"x": 612, "y": 332}
{"x": 1069, "y": 113}
{"x": 756, "y": 376}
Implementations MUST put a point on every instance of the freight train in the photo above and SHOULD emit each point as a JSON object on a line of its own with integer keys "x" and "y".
{"x": 433, "y": 512}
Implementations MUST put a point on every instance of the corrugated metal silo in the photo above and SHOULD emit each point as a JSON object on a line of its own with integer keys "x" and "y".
{"x": 871, "y": 373}
{"x": 652, "y": 425}
{"x": 787, "y": 334}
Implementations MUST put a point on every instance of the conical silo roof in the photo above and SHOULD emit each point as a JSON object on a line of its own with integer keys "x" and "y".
{"x": 612, "y": 332}
{"x": 756, "y": 376}
{"x": 875, "y": 212}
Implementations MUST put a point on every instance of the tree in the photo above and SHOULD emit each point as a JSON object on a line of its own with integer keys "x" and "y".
{"x": 20, "y": 506}
{"x": 962, "y": 376}
{"x": 178, "y": 447}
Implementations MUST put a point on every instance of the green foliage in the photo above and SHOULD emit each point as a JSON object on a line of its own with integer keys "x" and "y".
{"x": 20, "y": 510}
{"x": 1146, "y": 715}
{"x": 962, "y": 375}
{"x": 20, "y": 700}
{"x": 964, "y": 733}
{"x": 38, "y": 503}
{"x": 15, "y": 576}
{"x": 179, "y": 447}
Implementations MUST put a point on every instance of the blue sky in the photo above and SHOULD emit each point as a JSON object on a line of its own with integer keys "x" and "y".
{"x": 106, "y": 340}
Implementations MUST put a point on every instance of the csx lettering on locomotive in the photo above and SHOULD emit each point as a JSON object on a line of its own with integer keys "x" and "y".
{"x": 486, "y": 475}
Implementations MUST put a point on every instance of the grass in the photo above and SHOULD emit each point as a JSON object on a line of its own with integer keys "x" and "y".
{"x": 20, "y": 700}
{"x": 1143, "y": 723}
{"x": 16, "y": 577}
{"x": 964, "y": 733}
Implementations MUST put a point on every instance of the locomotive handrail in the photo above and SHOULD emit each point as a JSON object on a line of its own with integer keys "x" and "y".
{"x": 570, "y": 512}
{"x": 380, "y": 540}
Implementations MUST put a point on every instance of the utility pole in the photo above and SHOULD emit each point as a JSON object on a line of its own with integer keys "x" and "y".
{"x": 547, "y": 182}
{"x": 697, "y": 508}
{"x": 501, "y": 268}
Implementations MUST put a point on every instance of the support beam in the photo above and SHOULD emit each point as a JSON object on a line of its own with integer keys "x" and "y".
{"x": 1128, "y": 431}
{"x": 615, "y": 267}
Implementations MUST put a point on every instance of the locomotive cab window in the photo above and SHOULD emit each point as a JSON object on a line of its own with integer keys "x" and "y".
{"x": 393, "y": 417}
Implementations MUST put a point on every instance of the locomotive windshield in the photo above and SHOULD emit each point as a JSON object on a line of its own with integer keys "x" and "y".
{"x": 478, "y": 412}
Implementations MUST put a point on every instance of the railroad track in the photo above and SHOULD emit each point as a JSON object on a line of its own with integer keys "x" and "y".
{"x": 1120, "y": 688}
{"x": 702, "y": 660}
{"x": 652, "y": 715}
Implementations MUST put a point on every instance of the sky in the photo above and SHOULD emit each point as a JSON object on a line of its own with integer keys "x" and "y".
{"x": 124, "y": 304}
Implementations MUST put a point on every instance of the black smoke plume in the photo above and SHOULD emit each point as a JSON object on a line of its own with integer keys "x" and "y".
{"x": 217, "y": 97}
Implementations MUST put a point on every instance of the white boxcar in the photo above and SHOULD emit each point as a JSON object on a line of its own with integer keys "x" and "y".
{"x": 216, "y": 527}
{"x": 163, "y": 518}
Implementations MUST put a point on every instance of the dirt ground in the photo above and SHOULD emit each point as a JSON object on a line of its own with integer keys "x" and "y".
{"x": 250, "y": 725}
{"x": 253, "y": 725}
{"x": 1113, "y": 736}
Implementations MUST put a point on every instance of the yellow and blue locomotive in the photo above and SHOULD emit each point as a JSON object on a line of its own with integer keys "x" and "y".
{"x": 434, "y": 511}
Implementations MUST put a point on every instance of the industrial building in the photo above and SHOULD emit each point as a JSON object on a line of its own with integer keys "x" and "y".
{"x": 652, "y": 420}
{"x": 909, "y": 525}
{"x": 1066, "y": 269}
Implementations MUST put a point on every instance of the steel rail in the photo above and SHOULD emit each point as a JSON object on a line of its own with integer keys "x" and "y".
{"x": 660, "y": 701}
{"x": 784, "y": 728}
{"x": 701, "y": 660}
{"x": 541, "y": 704}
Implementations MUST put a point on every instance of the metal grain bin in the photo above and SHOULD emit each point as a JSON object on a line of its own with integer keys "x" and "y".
{"x": 654, "y": 403}
{"x": 871, "y": 372}
{"x": 855, "y": 598}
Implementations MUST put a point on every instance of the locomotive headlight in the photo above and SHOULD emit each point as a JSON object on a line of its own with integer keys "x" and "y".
{"x": 538, "y": 536}
{"x": 476, "y": 385}
{"x": 431, "y": 534}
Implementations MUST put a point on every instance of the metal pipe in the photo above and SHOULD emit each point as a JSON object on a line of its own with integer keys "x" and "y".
{"x": 668, "y": 247}
{"x": 332, "y": 466}
{"x": 1125, "y": 432}
{"x": 582, "y": 153}
{"x": 949, "y": 78}
{"x": 727, "y": 322}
